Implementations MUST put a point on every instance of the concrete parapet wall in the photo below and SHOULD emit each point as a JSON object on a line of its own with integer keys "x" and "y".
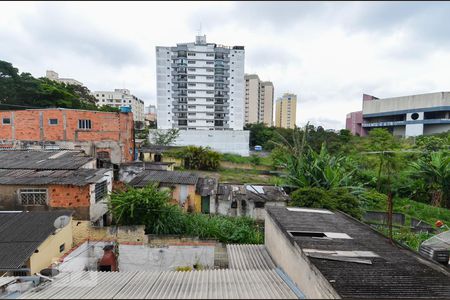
{"x": 83, "y": 230}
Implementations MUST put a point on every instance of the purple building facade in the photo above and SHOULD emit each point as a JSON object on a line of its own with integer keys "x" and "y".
{"x": 354, "y": 123}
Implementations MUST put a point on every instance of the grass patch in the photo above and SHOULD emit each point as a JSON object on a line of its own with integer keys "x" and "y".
{"x": 417, "y": 210}
{"x": 405, "y": 237}
{"x": 243, "y": 176}
{"x": 253, "y": 159}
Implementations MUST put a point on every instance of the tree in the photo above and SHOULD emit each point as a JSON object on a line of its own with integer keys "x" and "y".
{"x": 147, "y": 206}
{"x": 436, "y": 172}
{"x": 164, "y": 137}
{"x": 200, "y": 158}
{"x": 308, "y": 168}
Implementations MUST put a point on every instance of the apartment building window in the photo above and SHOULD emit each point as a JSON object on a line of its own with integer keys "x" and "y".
{"x": 191, "y": 92}
{"x": 191, "y": 106}
{"x": 209, "y": 77}
{"x": 84, "y": 124}
{"x": 191, "y": 76}
{"x": 191, "y": 54}
{"x": 191, "y": 61}
{"x": 191, "y": 114}
{"x": 209, "y": 54}
{"x": 209, "y": 106}
{"x": 210, "y": 84}
{"x": 209, "y": 62}
{"x": 191, "y": 69}
{"x": 210, "y": 92}
{"x": 53, "y": 121}
{"x": 191, "y": 121}
{"x": 6, "y": 121}
{"x": 62, "y": 247}
{"x": 101, "y": 190}
{"x": 192, "y": 84}
{"x": 33, "y": 196}
{"x": 209, "y": 70}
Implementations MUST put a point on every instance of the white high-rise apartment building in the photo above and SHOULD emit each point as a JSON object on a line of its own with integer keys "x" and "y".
{"x": 200, "y": 86}
{"x": 119, "y": 98}
{"x": 52, "y": 75}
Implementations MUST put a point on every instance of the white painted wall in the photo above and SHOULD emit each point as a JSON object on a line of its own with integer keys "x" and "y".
{"x": 224, "y": 141}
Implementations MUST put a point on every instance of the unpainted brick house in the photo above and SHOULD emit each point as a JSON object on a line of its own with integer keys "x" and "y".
{"x": 107, "y": 136}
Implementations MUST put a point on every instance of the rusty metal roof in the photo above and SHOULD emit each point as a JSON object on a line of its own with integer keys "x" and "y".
{"x": 78, "y": 177}
{"x": 43, "y": 159}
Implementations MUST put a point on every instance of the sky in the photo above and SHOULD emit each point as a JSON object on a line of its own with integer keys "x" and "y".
{"x": 328, "y": 53}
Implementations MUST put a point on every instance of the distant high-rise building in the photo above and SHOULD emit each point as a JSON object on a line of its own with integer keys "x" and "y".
{"x": 200, "y": 90}
{"x": 286, "y": 111}
{"x": 200, "y": 86}
{"x": 119, "y": 98}
{"x": 258, "y": 100}
{"x": 52, "y": 75}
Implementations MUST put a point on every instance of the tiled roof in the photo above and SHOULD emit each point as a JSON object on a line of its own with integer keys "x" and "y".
{"x": 21, "y": 233}
{"x": 207, "y": 284}
{"x": 78, "y": 177}
{"x": 394, "y": 272}
{"x": 42, "y": 159}
{"x": 156, "y": 176}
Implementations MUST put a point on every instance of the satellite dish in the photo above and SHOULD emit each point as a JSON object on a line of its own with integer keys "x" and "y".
{"x": 61, "y": 222}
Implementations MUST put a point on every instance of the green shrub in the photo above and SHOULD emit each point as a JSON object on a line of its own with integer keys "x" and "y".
{"x": 371, "y": 199}
{"x": 150, "y": 206}
{"x": 255, "y": 159}
{"x": 199, "y": 158}
{"x": 339, "y": 199}
{"x": 312, "y": 197}
{"x": 346, "y": 202}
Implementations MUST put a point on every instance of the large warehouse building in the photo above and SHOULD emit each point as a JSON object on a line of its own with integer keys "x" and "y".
{"x": 405, "y": 116}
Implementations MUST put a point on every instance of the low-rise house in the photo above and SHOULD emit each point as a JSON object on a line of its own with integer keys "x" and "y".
{"x": 84, "y": 190}
{"x": 330, "y": 255}
{"x": 32, "y": 241}
{"x": 45, "y": 180}
{"x": 248, "y": 199}
{"x": 107, "y": 136}
{"x": 188, "y": 189}
{"x": 158, "y": 154}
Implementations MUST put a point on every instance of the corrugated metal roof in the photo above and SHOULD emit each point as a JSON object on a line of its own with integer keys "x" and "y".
{"x": 43, "y": 159}
{"x": 149, "y": 176}
{"x": 249, "y": 257}
{"x": 21, "y": 234}
{"x": 6, "y": 280}
{"x": 78, "y": 177}
{"x": 207, "y": 284}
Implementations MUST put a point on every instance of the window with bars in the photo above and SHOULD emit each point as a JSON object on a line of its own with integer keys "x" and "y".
{"x": 33, "y": 196}
{"x": 101, "y": 190}
{"x": 84, "y": 124}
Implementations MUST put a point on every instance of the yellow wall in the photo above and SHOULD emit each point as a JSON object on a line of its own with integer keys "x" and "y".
{"x": 286, "y": 111}
{"x": 82, "y": 231}
{"x": 198, "y": 203}
{"x": 49, "y": 249}
{"x": 150, "y": 157}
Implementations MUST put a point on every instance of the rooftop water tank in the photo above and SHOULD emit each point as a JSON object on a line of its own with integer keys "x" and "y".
{"x": 125, "y": 109}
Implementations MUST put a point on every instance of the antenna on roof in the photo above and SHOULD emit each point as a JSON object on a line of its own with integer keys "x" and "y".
{"x": 200, "y": 29}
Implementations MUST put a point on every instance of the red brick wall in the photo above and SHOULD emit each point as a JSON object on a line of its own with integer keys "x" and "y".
{"x": 106, "y": 126}
{"x": 68, "y": 196}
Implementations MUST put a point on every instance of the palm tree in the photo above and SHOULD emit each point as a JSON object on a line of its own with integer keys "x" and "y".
{"x": 435, "y": 169}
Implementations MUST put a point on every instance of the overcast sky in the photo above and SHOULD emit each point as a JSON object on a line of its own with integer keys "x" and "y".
{"x": 329, "y": 54}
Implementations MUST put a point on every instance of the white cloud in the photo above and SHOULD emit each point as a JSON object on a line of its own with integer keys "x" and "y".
{"x": 328, "y": 54}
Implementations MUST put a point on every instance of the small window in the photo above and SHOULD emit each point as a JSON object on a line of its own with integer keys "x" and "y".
{"x": 191, "y": 61}
{"x": 53, "y": 121}
{"x": 6, "y": 121}
{"x": 209, "y": 54}
{"x": 62, "y": 247}
{"x": 191, "y": 54}
{"x": 33, "y": 196}
{"x": 84, "y": 124}
{"x": 101, "y": 190}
